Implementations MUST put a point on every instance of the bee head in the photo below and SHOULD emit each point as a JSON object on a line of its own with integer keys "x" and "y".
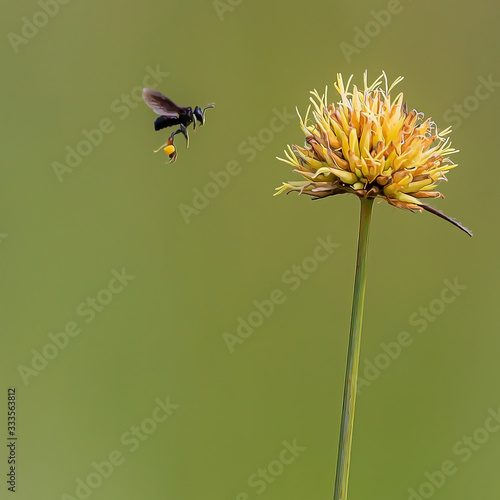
{"x": 200, "y": 116}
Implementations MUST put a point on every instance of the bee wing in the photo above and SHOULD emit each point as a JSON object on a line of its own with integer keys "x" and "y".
{"x": 159, "y": 103}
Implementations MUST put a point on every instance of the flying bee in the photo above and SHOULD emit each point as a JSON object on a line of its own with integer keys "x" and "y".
{"x": 172, "y": 115}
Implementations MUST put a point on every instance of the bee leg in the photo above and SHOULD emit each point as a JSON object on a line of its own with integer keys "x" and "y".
{"x": 199, "y": 114}
{"x": 172, "y": 157}
{"x": 208, "y": 106}
{"x": 184, "y": 132}
{"x": 161, "y": 147}
{"x": 170, "y": 145}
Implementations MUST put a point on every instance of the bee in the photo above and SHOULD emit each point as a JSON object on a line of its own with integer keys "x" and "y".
{"x": 172, "y": 115}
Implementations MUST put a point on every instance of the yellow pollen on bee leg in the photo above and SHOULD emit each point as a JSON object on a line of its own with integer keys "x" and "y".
{"x": 169, "y": 149}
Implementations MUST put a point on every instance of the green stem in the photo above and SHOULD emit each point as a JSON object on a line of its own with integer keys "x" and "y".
{"x": 351, "y": 378}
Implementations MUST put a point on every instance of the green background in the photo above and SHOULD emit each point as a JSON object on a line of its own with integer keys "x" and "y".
{"x": 163, "y": 334}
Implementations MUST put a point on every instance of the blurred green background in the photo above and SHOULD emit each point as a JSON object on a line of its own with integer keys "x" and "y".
{"x": 163, "y": 334}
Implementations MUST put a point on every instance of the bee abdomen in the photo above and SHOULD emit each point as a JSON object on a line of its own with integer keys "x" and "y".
{"x": 166, "y": 121}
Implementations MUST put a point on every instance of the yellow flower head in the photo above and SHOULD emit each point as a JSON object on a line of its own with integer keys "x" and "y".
{"x": 371, "y": 146}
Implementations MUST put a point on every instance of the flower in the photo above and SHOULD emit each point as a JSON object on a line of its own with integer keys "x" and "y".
{"x": 371, "y": 146}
